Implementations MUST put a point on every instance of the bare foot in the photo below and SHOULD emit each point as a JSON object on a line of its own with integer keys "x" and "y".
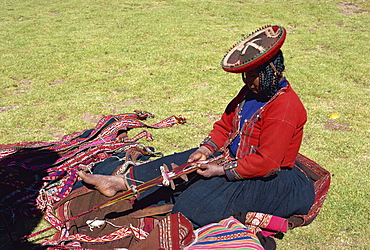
{"x": 108, "y": 185}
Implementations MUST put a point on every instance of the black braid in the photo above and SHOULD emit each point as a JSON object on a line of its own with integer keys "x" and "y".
{"x": 268, "y": 78}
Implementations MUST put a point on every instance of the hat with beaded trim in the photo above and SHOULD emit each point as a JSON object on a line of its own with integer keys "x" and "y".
{"x": 254, "y": 50}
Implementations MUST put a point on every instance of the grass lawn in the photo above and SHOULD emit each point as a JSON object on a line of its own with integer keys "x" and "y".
{"x": 63, "y": 64}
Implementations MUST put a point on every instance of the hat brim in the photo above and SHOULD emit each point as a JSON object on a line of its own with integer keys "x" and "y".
{"x": 254, "y": 50}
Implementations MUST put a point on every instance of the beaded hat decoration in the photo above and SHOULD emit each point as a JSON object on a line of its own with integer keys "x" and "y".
{"x": 254, "y": 50}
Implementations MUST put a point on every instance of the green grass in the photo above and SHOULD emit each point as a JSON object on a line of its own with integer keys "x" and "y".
{"x": 62, "y": 62}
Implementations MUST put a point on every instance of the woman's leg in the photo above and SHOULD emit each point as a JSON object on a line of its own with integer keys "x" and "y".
{"x": 211, "y": 200}
{"x": 160, "y": 194}
{"x": 109, "y": 185}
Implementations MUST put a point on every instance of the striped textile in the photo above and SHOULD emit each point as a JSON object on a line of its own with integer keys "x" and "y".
{"x": 227, "y": 234}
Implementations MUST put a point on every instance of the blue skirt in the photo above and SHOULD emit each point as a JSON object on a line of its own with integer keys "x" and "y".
{"x": 208, "y": 200}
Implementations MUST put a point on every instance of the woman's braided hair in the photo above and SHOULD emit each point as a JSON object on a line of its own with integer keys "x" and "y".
{"x": 270, "y": 77}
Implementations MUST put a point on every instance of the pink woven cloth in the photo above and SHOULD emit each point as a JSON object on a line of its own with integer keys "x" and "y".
{"x": 227, "y": 234}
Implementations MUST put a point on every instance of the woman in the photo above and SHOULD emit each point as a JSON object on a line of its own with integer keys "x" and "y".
{"x": 260, "y": 131}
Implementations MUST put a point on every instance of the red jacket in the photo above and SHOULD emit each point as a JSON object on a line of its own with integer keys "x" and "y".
{"x": 270, "y": 140}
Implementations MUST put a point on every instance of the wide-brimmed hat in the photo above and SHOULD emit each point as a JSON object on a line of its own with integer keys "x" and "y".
{"x": 254, "y": 50}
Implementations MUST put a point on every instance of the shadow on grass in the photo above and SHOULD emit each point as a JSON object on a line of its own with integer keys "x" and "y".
{"x": 21, "y": 176}
{"x": 10, "y": 235}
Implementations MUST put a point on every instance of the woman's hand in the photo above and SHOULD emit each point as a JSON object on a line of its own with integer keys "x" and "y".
{"x": 210, "y": 170}
{"x": 201, "y": 154}
{"x": 206, "y": 170}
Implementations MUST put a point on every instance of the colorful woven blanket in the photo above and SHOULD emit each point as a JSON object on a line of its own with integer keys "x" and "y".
{"x": 34, "y": 175}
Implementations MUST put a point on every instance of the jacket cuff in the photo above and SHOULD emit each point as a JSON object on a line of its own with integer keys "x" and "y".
{"x": 230, "y": 171}
{"x": 207, "y": 142}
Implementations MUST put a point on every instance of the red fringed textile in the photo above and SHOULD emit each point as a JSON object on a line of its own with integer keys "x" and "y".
{"x": 321, "y": 178}
{"x": 48, "y": 170}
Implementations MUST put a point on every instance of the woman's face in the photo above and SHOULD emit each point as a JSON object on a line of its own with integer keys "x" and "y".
{"x": 252, "y": 80}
